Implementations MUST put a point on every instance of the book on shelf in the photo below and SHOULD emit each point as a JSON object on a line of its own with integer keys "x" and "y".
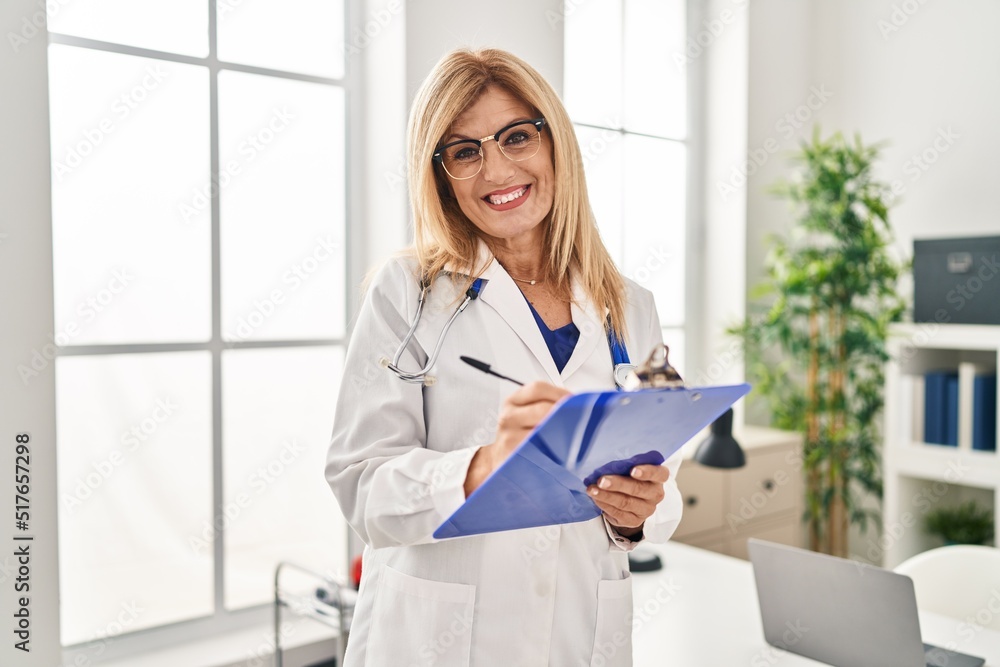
{"x": 984, "y": 413}
{"x": 951, "y": 410}
{"x": 936, "y": 406}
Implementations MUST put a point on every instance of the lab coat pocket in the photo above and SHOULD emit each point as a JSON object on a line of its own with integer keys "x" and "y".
{"x": 418, "y": 622}
{"x": 613, "y": 636}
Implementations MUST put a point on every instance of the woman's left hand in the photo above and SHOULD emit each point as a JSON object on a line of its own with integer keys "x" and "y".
{"x": 629, "y": 501}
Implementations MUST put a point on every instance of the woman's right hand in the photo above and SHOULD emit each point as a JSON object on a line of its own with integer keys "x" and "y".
{"x": 519, "y": 413}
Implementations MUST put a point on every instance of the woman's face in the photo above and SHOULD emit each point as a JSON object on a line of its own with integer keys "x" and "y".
{"x": 532, "y": 178}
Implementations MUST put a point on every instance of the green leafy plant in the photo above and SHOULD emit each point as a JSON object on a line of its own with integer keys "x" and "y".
{"x": 814, "y": 338}
{"x": 965, "y": 524}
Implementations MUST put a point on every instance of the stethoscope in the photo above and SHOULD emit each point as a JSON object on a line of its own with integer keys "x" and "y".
{"x": 624, "y": 370}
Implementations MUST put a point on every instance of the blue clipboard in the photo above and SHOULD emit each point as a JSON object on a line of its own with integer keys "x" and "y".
{"x": 587, "y": 435}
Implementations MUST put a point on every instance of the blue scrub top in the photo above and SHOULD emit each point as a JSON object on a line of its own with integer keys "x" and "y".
{"x": 560, "y": 342}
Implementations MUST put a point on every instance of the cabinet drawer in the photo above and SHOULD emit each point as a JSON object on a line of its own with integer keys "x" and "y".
{"x": 768, "y": 484}
{"x": 702, "y": 494}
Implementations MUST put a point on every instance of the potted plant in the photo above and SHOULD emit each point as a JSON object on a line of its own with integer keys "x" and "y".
{"x": 965, "y": 524}
{"x": 814, "y": 338}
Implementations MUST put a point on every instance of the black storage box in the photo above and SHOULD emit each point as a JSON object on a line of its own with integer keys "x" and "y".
{"x": 957, "y": 281}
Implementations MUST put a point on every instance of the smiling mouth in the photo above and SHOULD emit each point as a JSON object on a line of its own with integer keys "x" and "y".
{"x": 498, "y": 200}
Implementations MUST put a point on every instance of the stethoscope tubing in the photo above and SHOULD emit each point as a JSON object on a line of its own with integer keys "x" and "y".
{"x": 619, "y": 353}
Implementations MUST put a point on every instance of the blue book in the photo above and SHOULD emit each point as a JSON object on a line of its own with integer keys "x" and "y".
{"x": 951, "y": 410}
{"x": 984, "y": 413}
{"x": 934, "y": 407}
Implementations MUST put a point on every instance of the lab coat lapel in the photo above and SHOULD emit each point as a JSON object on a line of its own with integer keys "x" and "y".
{"x": 591, "y": 326}
{"x": 502, "y": 295}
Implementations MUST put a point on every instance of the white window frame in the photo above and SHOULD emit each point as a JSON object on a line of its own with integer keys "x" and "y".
{"x": 151, "y": 640}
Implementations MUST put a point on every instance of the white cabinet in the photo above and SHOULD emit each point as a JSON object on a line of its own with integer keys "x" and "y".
{"x": 722, "y": 508}
{"x": 920, "y": 476}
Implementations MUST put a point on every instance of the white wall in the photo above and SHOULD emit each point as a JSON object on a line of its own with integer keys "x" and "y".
{"x": 905, "y": 71}
{"x": 26, "y": 318}
{"x": 900, "y": 70}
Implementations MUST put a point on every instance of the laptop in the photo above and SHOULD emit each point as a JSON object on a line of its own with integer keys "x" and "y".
{"x": 841, "y": 612}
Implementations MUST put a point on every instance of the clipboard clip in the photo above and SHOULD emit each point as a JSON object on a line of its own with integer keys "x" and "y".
{"x": 657, "y": 373}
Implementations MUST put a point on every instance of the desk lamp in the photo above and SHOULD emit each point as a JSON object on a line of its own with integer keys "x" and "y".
{"x": 720, "y": 449}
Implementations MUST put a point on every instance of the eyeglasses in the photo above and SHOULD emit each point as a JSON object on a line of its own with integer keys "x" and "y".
{"x": 517, "y": 141}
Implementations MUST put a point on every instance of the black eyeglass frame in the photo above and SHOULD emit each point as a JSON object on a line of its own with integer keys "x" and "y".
{"x": 438, "y": 156}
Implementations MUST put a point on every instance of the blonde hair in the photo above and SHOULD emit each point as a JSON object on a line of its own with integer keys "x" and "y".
{"x": 442, "y": 232}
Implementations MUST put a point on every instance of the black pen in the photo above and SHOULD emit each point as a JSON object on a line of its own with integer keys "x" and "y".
{"x": 485, "y": 367}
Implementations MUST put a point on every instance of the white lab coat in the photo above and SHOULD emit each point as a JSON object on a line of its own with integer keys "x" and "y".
{"x": 558, "y": 595}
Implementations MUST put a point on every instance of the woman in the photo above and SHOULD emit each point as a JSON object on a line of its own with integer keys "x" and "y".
{"x": 498, "y": 193}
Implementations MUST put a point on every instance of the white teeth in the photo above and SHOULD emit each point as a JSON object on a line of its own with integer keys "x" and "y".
{"x": 496, "y": 200}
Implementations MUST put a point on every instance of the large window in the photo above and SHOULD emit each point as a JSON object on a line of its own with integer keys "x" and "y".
{"x": 627, "y": 96}
{"x": 199, "y": 246}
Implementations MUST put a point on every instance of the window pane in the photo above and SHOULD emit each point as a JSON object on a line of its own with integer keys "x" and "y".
{"x": 602, "y": 160}
{"x": 593, "y": 68}
{"x": 134, "y": 459}
{"x": 655, "y": 187}
{"x": 655, "y": 99}
{"x": 282, "y": 208}
{"x": 277, "y": 420}
{"x": 128, "y": 136}
{"x": 177, "y": 26}
{"x": 292, "y": 35}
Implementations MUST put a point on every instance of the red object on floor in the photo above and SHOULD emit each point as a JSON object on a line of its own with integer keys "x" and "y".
{"x": 356, "y": 572}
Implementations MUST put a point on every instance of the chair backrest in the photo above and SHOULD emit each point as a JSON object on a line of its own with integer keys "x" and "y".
{"x": 960, "y": 581}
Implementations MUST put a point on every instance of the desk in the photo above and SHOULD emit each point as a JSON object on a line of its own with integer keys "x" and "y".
{"x": 701, "y": 610}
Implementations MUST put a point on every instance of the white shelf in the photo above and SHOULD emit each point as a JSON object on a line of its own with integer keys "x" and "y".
{"x": 919, "y": 476}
